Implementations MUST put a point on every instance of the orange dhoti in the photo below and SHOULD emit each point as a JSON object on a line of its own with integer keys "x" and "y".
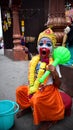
{"x": 47, "y": 104}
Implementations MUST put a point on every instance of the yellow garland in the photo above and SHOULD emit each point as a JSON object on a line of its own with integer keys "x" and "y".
{"x": 34, "y": 83}
{"x": 33, "y": 64}
{"x": 41, "y": 71}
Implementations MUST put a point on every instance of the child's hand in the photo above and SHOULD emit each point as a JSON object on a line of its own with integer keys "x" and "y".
{"x": 41, "y": 87}
{"x": 54, "y": 74}
{"x": 51, "y": 68}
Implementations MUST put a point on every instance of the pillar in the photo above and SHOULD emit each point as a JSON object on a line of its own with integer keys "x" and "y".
{"x": 56, "y": 18}
{"x": 16, "y": 29}
{"x": 18, "y": 52}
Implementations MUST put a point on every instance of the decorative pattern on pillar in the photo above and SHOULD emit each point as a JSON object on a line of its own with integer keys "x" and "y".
{"x": 56, "y": 18}
{"x": 16, "y": 29}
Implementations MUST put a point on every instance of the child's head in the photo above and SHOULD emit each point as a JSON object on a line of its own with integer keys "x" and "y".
{"x": 46, "y": 42}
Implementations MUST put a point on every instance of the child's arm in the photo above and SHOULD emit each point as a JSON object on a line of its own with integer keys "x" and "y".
{"x": 55, "y": 75}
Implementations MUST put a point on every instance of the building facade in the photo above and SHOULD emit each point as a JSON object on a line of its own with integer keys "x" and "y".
{"x": 29, "y": 18}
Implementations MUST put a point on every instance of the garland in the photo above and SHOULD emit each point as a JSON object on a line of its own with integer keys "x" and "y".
{"x": 34, "y": 82}
{"x": 32, "y": 66}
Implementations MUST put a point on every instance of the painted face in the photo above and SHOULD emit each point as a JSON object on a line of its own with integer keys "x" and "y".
{"x": 45, "y": 47}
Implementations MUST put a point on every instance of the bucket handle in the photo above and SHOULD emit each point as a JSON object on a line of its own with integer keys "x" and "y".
{"x": 14, "y": 111}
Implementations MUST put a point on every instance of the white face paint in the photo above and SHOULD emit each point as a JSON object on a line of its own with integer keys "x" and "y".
{"x": 45, "y": 43}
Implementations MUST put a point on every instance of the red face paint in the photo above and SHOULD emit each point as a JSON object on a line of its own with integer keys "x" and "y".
{"x": 44, "y": 52}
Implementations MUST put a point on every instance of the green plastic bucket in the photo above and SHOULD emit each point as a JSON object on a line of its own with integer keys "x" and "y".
{"x": 8, "y": 109}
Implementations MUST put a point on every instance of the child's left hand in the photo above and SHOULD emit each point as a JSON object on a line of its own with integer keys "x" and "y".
{"x": 51, "y": 68}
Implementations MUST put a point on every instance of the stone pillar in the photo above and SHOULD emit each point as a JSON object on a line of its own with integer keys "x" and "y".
{"x": 18, "y": 53}
{"x": 56, "y": 18}
{"x": 16, "y": 29}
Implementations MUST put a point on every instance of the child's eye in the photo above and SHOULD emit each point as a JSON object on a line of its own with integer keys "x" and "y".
{"x": 41, "y": 44}
{"x": 48, "y": 44}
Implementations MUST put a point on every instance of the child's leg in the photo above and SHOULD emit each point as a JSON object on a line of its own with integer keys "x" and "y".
{"x": 23, "y": 100}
